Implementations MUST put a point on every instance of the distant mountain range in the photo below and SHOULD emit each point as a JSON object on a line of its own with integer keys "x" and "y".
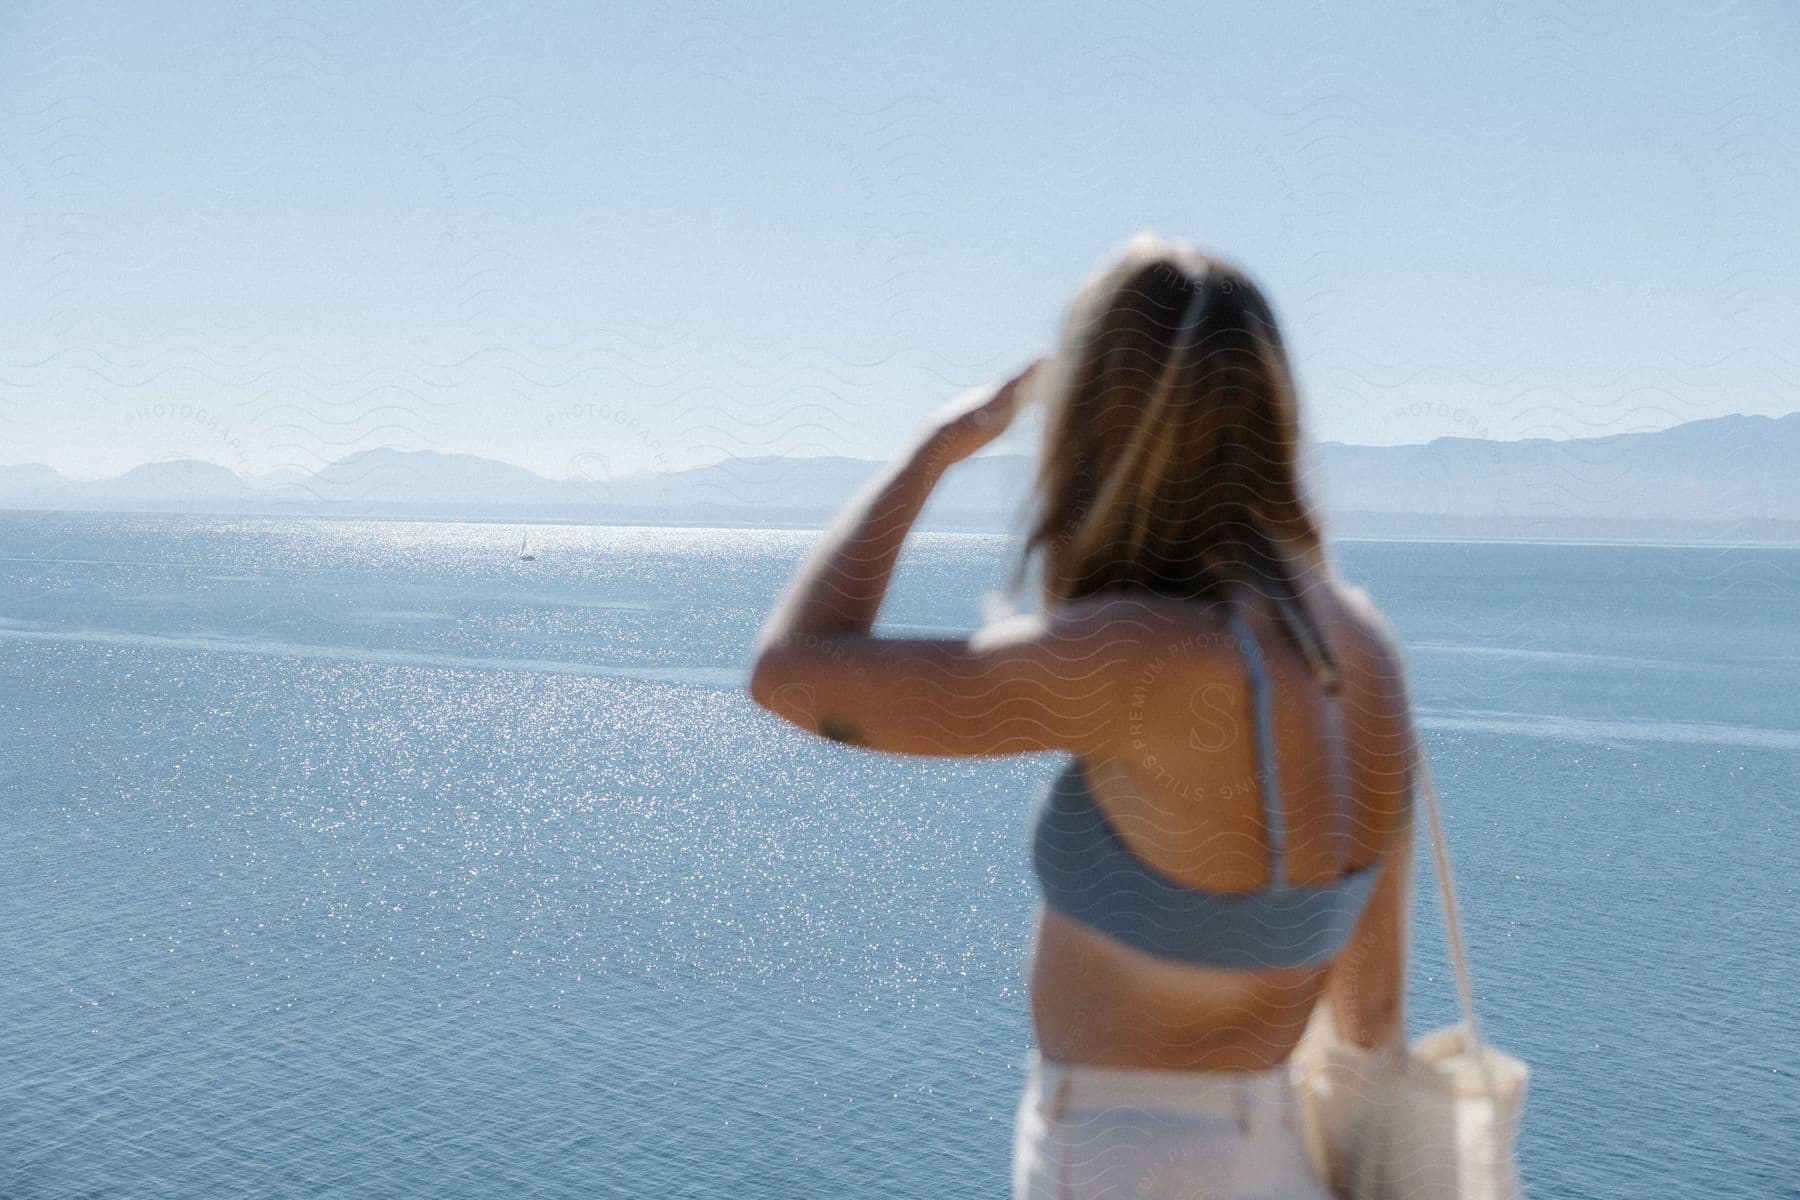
{"x": 1731, "y": 478}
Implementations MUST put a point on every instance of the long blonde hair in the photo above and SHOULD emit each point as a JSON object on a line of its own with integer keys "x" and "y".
{"x": 1171, "y": 450}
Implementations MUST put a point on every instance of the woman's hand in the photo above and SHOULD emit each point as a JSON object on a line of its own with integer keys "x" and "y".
{"x": 975, "y": 418}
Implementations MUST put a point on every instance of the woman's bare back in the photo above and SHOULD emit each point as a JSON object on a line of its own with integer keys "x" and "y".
{"x": 1180, "y": 786}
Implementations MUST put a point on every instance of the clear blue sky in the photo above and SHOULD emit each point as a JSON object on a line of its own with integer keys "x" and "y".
{"x": 594, "y": 241}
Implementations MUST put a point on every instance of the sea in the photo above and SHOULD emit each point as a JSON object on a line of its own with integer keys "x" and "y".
{"x": 360, "y": 858}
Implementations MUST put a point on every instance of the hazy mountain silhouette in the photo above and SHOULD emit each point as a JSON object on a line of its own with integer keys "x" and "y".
{"x": 1730, "y": 477}
{"x": 26, "y": 479}
{"x": 425, "y": 476}
{"x": 1727, "y": 468}
{"x": 176, "y": 485}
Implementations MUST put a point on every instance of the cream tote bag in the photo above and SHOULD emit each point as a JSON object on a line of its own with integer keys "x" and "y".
{"x": 1437, "y": 1121}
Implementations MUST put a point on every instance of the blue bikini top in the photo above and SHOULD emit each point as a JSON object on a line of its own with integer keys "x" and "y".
{"x": 1089, "y": 874}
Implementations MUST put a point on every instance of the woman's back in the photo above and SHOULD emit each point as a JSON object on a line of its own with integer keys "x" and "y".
{"x": 1181, "y": 787}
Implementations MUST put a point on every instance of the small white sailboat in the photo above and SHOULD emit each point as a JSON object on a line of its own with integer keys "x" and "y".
{"x": 526, "y": 553}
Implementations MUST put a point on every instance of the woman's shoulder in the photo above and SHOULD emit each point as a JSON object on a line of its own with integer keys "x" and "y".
{"x": 1375, "y": 664}
{"x": 1137, "y": 627}
{"x": 1366, "y": 625}
{"x": 1129, "y": 631}
{"x": 1135, "y": 615}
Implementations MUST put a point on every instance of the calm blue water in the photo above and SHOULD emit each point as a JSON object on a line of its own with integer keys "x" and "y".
{"x": 361, "y": 858}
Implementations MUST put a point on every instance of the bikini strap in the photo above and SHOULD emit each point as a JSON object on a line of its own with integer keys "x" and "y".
{"x": 1262, "y": 725}
{"x": 1339, "y": 754}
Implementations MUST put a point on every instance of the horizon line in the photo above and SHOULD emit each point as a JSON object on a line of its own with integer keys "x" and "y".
{"x": 854, "y": 458}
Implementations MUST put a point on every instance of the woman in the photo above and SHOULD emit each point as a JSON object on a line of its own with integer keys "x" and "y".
{"x": 1232, "y": 840}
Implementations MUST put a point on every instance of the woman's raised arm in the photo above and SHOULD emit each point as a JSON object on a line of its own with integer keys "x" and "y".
{"x": 840, "y": 586}
{"x": 1028, "y": 683}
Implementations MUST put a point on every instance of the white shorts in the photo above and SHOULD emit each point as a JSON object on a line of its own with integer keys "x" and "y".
{"x": 1106, "y": 1133}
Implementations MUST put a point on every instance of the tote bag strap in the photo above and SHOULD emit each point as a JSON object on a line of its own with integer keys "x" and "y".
{"x": 1382, "y": 1164}
{"x": 1453, "y": 934}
